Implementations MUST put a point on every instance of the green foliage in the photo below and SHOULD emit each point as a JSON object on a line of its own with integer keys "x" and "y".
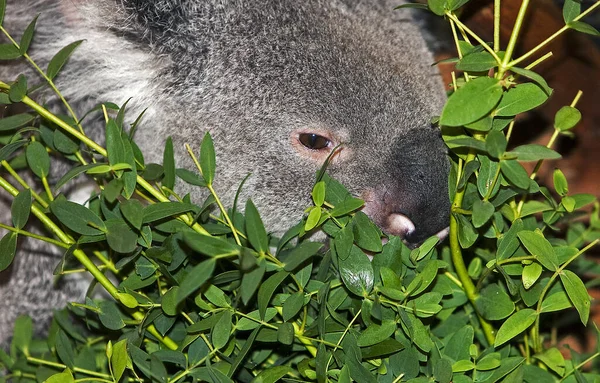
{"x": 199, "y": 295}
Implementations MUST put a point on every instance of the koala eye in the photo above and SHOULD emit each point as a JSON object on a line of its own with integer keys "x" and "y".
{"x": 314, "y": 141}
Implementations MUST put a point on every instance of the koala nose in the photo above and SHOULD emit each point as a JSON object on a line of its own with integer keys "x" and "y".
{"x": 395, "y": 213}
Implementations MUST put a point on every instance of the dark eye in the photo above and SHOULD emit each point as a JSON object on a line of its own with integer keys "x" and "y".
{"x": 314, "y": 141}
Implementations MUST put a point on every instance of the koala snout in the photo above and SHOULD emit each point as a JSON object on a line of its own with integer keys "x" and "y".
{"x": 412, "y": 217}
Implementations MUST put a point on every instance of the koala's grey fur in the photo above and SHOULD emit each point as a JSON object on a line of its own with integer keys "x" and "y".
{"x": 255, "y": 74}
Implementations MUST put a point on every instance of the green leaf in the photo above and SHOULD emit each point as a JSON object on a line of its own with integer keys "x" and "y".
{"x": 272, "y": 374}
{"x": 534, "y": 207}
{"x": 467, "y": 235}
{"x": 300, "y": 254}
{"x": 571, "y": 9}
{"x": 221, "y": 331}
{"x": 28, "y": 36}
{"x": 190, "y": 177}
{"x": 535, "y": 77}
{"x": 62, "y": 377}
{"x": 285, "y": 333}
{"x": 60, "y": 59}
{"x": 292, "y": 305}
{"x": 466, "y": 142}
{"x": 485, "y": 180}
{"x": 38, "y": 159}
{"x": 482, "y": 125}
{"x": 119, "y": 359}
{"x": 357, "y": 272}
{"x": 553, "y": 358}
{"x": 65, "y": 143}
{"x": 257, "y": 235}
{"x": 318, "y": 193}
{"x": 560, "y": 182}
{"x": 168, "y": 180}
{"x": 471, "y": 102}
{"x": 493, "y": 303}
{"x": 251, "y": 281}
{"x": 118, "y": 146}
{"x": 514, "y": 325}
{"x": 489, "y": 362}
{"x": 477, "y": 62}
{"x": 78, "y": 218}
{"x": 196, "y": 277}
{"x": 8, "y": 249}
{"x": 566, "y": 118}
{"x": 314, "y": 216}
{"x": 245, "y": 324}
{"x": 15, "y": 121}
{"x": 427, "y": 276}
{"x": 110, "y": 316}
{"x": 348, "y": 205}
{"x": 21, "y": 208}
{"x": 375, "y": 333}
{"x": 132, "y": 210}
{"x": 267, "y": 289}
{"x": 64, "y": 349}
{"x": 437, "y": 6}
{"x": 241, "y": 356}
{"x": 343, "y": 242}
{"x": 495, "y": 143}
{"x": 216, "y": 296}
{"x": 531, "y": 273}
{"x": 425, "y": 249}
{"x": 366, "y": 235}
{"x": 161, "y": 210}
{"x": 556, "y": 302}
{"x": 211, "y": 246}
{"x": 120, "y": 237}
{"x": 515, "y": 173}
{"x": 482, "y": 212}
{"x": 207, "y": 159}
{"x": 9, "y": 52}
{"x": 577, "y": 294}
{"x": 18, "y": 90}
{"x": 580, "y": 26}
{"x": 521, "y": 98}
{"x": 534, "y": 152}
{"x": 7, "y": 150}
{"x": 463, "y": 366}
{"x": 539, "y": 247}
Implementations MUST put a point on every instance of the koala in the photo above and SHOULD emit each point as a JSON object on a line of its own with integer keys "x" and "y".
{"x": 278, "y": 83}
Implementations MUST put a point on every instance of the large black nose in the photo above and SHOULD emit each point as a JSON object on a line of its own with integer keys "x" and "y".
{"x": 413, "y": 202}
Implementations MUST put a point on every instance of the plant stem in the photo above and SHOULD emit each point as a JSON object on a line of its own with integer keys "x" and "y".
{"x": 497, "y": 25}
{"x": 485, "y": 46}
{"x": 35, "y": 236}
{"x": 512, "y": 42}
{"x": 100, "y": 150}
{"x": 48, "y": 80}
{"x": 459, "y": 263}
{"x": 214, "y": 194}
{"x": 62, "y": 367}
{"x": 552, "y": 37}
{"x": 86, "y": 262}
{"x": 22, "y": 182}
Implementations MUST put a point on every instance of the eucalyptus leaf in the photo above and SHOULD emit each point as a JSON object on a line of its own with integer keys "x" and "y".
{"x": 471, "y": 102}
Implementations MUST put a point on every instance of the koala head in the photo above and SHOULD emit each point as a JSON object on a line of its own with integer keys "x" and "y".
{"x": 279, "y": 85}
